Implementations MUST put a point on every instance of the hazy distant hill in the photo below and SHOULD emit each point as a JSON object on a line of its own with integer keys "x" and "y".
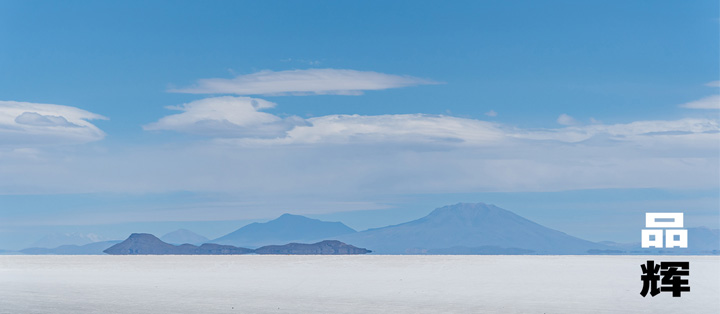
{"x": 285, "y": 229}
{"x": 57, "y": 239}
{"x": 148, "y": 244}
{"x": 701, "y": 240}
{"x": 182, "y": 236}
{"x": 95, "y": 248}
{"x": 470, "y": 226}
{"x": 704, "y": 239}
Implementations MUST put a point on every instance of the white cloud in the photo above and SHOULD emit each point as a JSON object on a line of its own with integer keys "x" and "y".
{"x": 36, "y": 119}
{"x": 638, "y": 131}
{"x": 710, "y": 102}
{"x": 27, "y": 123}
{"x": 226, "y": 117}
{"x": 713, "y": 84}
{"x": 565, "y": 119}
{"x": 399, "y": 129}
{"x": 303, "y": 82}
{"x": 239, "y": 120}
{"x": 491, "y": 113}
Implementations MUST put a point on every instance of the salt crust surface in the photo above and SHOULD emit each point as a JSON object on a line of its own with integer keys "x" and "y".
{"x": 346, "y": 284}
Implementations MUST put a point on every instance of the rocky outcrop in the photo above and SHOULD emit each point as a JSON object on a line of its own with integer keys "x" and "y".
{"x": 329, "y": 247}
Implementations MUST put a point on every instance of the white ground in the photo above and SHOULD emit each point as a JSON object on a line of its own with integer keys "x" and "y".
{"x": 346, "y": 284}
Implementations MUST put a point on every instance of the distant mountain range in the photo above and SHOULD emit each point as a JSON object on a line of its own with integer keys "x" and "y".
{"x": 58, "y": 239}
{"x": 182, "y": 236}
{"x": 456, "y": 229}
{"x": 285, "y": 229}
{"x": 148, "y": 244}
{"x": 701, "y": 240}
{"x": 704, "y": 239}
{"x": 94, "y": 248}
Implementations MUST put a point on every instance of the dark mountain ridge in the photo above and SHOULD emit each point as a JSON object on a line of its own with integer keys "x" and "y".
{"x": 148, "y": 244}
{"x": 326, "y": 247}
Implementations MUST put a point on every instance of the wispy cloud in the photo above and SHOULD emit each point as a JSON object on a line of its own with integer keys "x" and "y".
{"x": 710, "y": 102}
{"x": 421, "y": 129}
{"x": 226, "y": 117}
{"x": 36, "y": 119}
{"x": 491, "y": 113}
{"x": 700, "y": 132}
{"x": 303, "y": 82}
{"x": 24, "y": 123}
{"x": 241, "y": 120}
{"x": 565, "y": 119}
{"x": 380, "y": 129}
{"x": 713, "y": 84}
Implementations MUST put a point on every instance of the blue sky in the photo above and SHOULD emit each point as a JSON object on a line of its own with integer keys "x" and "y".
{"x": 367, "y": 112}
